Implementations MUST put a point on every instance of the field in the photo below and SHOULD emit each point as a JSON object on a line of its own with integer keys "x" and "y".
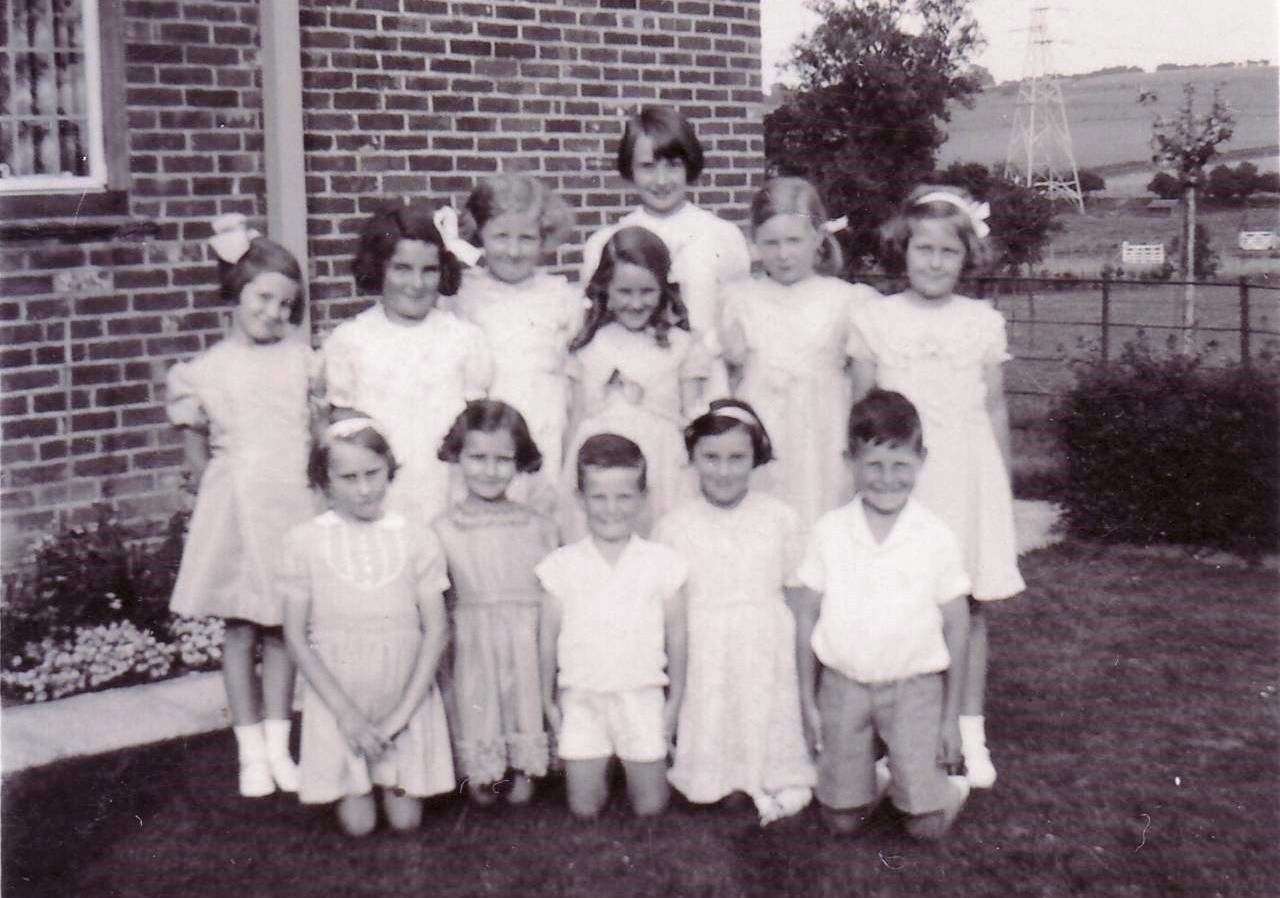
{"x": 1108, "y": 127}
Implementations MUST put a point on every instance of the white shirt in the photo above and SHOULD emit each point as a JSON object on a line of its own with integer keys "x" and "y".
{"x": 612, "y": 616}
{"x": 880, "y": 618}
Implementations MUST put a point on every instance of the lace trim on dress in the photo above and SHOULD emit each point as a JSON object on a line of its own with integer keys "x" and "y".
{"x": 507, "y": 514}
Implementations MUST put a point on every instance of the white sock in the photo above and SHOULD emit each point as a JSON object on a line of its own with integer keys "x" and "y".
{"x": 251, "y": 741}
{"x": 276, "y": 736}
{"x": 973, "y": 730}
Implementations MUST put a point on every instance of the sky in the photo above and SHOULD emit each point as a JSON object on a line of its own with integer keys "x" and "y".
{"x": 1087, "y": 34}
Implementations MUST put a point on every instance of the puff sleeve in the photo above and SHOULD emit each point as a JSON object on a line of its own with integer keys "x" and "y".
{"x": 183, "y": 405}
{"x": 995, "y": 343}
{"x": 430, "y": 574}
{"x": 338, "y": 366}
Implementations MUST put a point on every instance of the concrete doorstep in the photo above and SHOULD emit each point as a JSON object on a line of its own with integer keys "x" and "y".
{"x": 98, "y": 722}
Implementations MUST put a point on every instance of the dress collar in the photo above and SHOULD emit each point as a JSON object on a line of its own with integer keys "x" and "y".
{"x": 389, "y": 521}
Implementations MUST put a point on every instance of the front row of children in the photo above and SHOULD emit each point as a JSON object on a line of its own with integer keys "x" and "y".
{"x": 685, "y": 645}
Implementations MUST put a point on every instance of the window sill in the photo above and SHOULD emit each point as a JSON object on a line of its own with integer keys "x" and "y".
{"x": 81, "y": 228}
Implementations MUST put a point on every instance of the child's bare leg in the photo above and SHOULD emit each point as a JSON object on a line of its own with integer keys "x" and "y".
{"x": 238, "y": 646}
{"x": 278, "y": 675}
{"x": 647, "y": 786}
{"x": 588, "y": 785}
{"x": 404, "y": 812}
{"x": 973, "y": 697}
{"x": 358, "y": 814}
{"x": 521, "y": 788}
{"x": 845, "y": 821}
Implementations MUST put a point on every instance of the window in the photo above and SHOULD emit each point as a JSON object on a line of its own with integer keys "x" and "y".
{"x": 62, "y": 141}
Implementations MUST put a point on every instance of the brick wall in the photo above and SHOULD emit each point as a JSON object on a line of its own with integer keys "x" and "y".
{"x": 401, "y": 98}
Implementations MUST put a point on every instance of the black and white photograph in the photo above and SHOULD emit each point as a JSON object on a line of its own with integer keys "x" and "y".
{"x": 635, "y": 448}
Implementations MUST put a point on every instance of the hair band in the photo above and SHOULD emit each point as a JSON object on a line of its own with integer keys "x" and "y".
{"x": 738, "y": 413}
{"x": 978, "y": 212}
{"x": 836, "y": 224}
{"x": 231, "y": 237}
{"x": 446, "y": 221}
{"x": 349, "y": 427}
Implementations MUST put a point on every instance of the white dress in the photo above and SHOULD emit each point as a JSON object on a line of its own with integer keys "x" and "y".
{"x": 739, "y": 727}
{"x": 707, "y": 252}
{"x": 934, "y": 353}
{"x": 528, "y": 327}
{"x": 252, "y": 402}
{"x": 791, "y": 341}
{"x": 413, "y": 380}
{"x": 363, "y": 580}
{"x": 631, "y": 386}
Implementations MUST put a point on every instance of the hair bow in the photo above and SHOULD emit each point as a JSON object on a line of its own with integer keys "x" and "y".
{"x": 231, "y": 237}
{"x": 836, "y": 224}
{"x": 349, "y": 427}
{"x": 978, "y": 212}
{"x": 446, "y": 222}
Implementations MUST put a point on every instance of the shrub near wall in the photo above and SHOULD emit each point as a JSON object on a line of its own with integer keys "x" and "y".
{"x": 1168, "y": 451}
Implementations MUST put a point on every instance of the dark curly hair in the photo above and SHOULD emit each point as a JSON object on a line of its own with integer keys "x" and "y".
{"x": 490, "y": 416}
{"x": 264, "y": 255}
{"x": 672, "y": 135}
{"x": 383, "y": 232}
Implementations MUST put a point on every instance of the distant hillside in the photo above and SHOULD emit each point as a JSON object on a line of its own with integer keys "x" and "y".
{"x": 1108, "y": 127}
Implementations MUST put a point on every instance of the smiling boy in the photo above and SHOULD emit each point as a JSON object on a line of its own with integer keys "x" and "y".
{"x": 885, "y": 612}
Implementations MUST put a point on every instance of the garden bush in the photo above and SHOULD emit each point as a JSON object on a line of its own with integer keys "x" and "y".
{"x": 89, "y": 609}
{"x": 1166, "y": 450}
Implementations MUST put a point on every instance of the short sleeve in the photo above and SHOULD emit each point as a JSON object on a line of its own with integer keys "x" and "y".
{"x": 674, "y": 572}
{"x": 951, "y": 579}
{"x": 812, "y": 572}
{"x": 733, "y": 333}
{"x": 338, "y": 370}
{"x": 430, "y": 573}
{"x": 291, "y": 581}
{"x": 996, "y": 339}
{"x": 183, "y": 405}
{"x": 477, "y": 375}
{"x": 552, "y": 573}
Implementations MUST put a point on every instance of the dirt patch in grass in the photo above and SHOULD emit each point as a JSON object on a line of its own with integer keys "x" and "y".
{"x": 1133, "y": 718}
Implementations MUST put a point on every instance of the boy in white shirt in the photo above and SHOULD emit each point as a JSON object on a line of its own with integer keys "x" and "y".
{"x": 611, "y": 636}
{"x": 884, "y": 615}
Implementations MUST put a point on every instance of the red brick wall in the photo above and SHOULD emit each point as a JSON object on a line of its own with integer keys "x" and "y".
{"x": 401, "y": 98}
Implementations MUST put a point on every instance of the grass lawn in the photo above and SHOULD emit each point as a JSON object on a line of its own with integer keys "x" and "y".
{"x": 1133, "y": 716}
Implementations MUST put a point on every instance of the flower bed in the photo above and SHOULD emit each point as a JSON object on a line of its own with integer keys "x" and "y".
{"x": 90, "y": 611}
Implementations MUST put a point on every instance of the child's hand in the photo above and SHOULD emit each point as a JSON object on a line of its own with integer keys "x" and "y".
{"x": 361, "y": 735}
{"x": 389, "y": 728}
{"x": 812, "y": 725}
{"x": 949, "y": 744}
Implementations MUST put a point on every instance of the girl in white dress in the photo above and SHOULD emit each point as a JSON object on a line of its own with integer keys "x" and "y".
{"x": 635, "y": 372}
{"x": 406, "y": 361}
{"x": 944, "y": 352}
{"x": 364, "y": 615}
{"x": 242, "y": 407}
{"x": 662, "y": 158}
{"x": 785, "y": 336}
{"x": 739, "y": 727}
{"x": 528, "y": 315}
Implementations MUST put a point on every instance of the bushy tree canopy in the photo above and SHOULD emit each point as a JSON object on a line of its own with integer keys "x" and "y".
{"x": 1165, "y": 186}
{"x": 866, "y": 120}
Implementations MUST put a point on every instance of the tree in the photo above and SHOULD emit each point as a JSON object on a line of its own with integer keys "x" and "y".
{"x": 1165, "y": 186}
{"x": 1232, "y": 185}
{"x": 1022, "y": 218}
{"x": 1090, "y": 181}
{"x": 981, "y": 76}
{"x": 866, "y": 121}
{"x": 1183, "y": 146}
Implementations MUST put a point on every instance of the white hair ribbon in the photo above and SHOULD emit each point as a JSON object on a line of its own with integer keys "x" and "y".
{"x": 446, "y": 222}
{"x": 231, "y": 237}
{"x": 349, "y": 427}
{"x": 978, "y": 212}
{"x": 738, "y": 414}
{"x": 836, "y": 224}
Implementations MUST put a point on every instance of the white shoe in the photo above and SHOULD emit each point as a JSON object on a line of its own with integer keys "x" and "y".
{"x": 284, "y": 772}
{"x": 883, "y": 777}
{"x": 275, "y": 736}
{"x": 255, "y": 778}
{"x": 979, "y": 771}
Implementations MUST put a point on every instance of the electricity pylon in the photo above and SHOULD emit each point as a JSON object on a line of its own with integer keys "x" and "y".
{"x": 1040, "y": 153}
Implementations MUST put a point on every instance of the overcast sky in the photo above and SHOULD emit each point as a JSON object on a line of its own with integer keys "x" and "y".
{"x": 1088, "y": 34}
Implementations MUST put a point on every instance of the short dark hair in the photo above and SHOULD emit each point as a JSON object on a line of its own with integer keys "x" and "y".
{"x": 883, "y": 416}
{"x": 711, "y": 424}
{"x": 370, "y": 438}
{"x": 491, "y": 416}
{"x": 263, "y": 255}
{"x": 383, "y": 232}
{"x": 609, "y": 450}
{"x": 636, "y": 246}
{"x": 672, "y": 135}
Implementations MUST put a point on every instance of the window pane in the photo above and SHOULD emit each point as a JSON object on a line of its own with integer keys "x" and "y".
{"x": 74, "y": 161}
{"x": 70, "y": 84}
{"x": 6, "y": 150}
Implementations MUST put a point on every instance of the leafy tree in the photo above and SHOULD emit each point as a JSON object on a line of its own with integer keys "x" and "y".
{"x": 1091, "y": 181}
{"x": 1165, "y": 186}
{"x": 866, "y": 120}
{"x": 1232, "y": 185}
{"x": 1022, "y": 218}
{"x": 1268, "y": 182}
{"x": 981, "y": 76}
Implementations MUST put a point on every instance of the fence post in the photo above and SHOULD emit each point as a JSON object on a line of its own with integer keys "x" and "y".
{"x": 1106, "y": 318}
{"x": 1244, "y": 322}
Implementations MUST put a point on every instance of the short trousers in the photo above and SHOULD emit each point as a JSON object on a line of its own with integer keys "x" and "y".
{"x": 626, "y": 723}
{"x": 907, "y": 716}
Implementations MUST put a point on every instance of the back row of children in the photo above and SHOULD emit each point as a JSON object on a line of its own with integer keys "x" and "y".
{"x": 480, "y": 417}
